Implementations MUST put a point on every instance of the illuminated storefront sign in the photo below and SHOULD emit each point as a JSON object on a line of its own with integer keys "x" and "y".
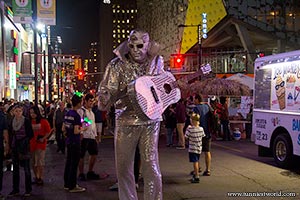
{"x": 204, "y": 25}
{"x": 12, "y": 76}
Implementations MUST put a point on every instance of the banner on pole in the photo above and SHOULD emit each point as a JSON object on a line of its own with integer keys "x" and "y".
{"x": 22, "y": 10}
{"x": 46, "y": 12}
{"x": 12, "y": 76}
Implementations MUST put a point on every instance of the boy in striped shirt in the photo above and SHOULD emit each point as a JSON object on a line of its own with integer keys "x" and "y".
{"x": 194, "y": 134}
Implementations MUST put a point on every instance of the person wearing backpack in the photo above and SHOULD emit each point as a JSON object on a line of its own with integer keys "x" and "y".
{"x": 204, "y": 110}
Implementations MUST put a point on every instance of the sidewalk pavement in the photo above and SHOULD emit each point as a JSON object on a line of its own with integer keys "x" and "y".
{"x": 174, "y": 175}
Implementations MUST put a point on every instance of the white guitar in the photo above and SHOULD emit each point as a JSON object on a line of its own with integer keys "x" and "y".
{"x": 153, "y": 94}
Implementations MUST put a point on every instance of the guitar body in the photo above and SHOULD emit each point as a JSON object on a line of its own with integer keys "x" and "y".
{"x": 153, "y": 94}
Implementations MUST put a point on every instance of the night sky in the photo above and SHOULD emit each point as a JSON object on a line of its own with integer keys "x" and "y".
{"x": 77, "y": 22}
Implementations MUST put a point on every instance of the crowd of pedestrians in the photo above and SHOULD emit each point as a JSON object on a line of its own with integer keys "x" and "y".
{"x": 25, "y": 128}
{"x": 78, "y": 125}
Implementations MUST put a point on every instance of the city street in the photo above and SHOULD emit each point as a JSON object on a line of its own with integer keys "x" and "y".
{"x": 235, "y": 168}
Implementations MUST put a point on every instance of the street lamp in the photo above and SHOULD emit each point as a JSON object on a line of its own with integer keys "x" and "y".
{"x": 202, "y": 28}
{"x": 199, "y": 40}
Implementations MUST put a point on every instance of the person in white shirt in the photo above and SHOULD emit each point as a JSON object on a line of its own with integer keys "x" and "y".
{"x": 89, "y": 139}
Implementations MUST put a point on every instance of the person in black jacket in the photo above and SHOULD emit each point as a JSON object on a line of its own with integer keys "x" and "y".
{"x": 3, "y": 138}
{"x": 170, "y": 123}
{"x": 22, "y": 132}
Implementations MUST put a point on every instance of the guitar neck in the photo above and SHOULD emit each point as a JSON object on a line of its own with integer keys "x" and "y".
{"x": 194, "y": 75}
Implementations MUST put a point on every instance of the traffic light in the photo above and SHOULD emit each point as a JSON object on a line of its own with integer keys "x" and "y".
{"x": 80, "y": 74}
{"x": 178, "y": 61}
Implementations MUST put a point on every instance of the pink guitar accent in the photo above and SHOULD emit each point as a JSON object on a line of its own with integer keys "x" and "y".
{"x": 153, "y": 94}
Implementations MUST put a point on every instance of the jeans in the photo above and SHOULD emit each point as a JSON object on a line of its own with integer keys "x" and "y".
{"x": 170, "y": 135}
{"x": 60, "y": 138}
{"x": 226, "y": 132}
{"x": 16, "y": 172}
{"x": 73, "y": 157}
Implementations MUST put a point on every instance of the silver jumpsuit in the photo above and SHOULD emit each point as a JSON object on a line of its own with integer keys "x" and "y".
{"x": 132, "y": 127}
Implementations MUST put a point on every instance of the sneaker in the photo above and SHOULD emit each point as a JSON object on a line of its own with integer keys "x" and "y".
{"x": 81, "y": 177}
{"x": 77, "y": 189}
{"x": 13, "y": 193}
{"x": 114, "y": 187}
{"x": 91, "y": 175}
{"x": 27, "y": 194}
{"x": 180, "y": 147}
{"x": 195, "y": 180}
{"x": 67, "y": 188}
{"x": 1, "y": 196}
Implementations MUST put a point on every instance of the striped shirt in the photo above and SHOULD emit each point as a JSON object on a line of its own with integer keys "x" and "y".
{"x": 194, "y": 135}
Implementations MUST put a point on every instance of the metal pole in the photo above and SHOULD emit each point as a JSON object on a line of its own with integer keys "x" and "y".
{"x": 36, "y": 82}
{"x": 45, "y": 75}
{"x": 50, "y": 79}
{"x": 50, "y": 71}
{"x": 58, "y": 82}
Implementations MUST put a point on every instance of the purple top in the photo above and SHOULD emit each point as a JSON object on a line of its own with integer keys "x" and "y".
{"x": 180, "y": 113}
{"x": 72, "y": 118}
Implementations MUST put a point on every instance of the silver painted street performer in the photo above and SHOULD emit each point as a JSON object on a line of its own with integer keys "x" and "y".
{"x": 136, "y": 57}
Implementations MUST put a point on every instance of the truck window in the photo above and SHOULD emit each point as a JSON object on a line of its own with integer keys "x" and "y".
{"x": 262, "y": 86}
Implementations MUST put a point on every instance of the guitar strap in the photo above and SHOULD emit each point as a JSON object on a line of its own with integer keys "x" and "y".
{"x": 155, "y": 68}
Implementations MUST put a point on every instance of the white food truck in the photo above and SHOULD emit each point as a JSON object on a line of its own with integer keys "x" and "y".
{"x": 276, "y": 113}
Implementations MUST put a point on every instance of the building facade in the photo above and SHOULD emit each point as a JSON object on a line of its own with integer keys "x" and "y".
{"x": 117, "y": 19}
{"x": 239, "y": 33}
{"x": 93, "y": 76}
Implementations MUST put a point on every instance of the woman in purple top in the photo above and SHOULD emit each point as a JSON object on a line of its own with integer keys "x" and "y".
{"x": 73, "y": 127}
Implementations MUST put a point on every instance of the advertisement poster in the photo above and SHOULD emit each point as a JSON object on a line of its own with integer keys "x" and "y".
{"x": 46, "y": 12}
{"x": 22, "y": 10}
{"x": 285, "y": 86}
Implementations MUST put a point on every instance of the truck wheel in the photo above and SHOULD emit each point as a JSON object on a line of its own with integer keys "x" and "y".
{"x": 282, "y": 151}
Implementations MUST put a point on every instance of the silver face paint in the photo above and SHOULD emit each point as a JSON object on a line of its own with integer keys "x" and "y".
{"x": 138, "y": 45}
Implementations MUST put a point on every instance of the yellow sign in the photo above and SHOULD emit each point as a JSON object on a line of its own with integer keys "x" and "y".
{"x": 214, "y": 12}
{"x": 46, "y": 12}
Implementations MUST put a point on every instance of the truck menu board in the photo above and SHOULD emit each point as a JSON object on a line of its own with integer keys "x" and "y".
{"x": 285, "y": 86}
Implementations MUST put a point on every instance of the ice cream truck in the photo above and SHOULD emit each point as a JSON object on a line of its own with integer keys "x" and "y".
{"x": 276, "y": 108}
